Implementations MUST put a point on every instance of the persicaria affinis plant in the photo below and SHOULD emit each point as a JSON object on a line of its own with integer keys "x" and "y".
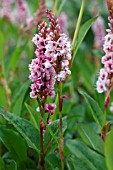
{"x": 42, "y": 111}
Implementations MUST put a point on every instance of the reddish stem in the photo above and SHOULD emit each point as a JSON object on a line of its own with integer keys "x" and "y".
{"x": 41, "y": 161}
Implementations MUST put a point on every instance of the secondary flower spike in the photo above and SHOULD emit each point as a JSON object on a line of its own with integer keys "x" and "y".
{"x": 6, "y": 9}
{"x": 62, "y": 20}
{"x": 38, "y": 16}
{"x": 99, "y": 33}
{"x": 105, "y": 79}
{"x": 21, "y": 12}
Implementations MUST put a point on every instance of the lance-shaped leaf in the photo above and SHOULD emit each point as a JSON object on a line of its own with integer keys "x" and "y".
{"x": 86, "y": 156}
{"x": 24, "y": 127}
{"x": 14, "y": 143}
{"x": 12, "y": 165}
{"x": 109, "y": 150}
{"x": 18, "y": 99}
{"x": 91, "y": 138}
{"x": 33, "y": 116}
{"x": 82, "y": 33}
{"x": 95, "y": 109}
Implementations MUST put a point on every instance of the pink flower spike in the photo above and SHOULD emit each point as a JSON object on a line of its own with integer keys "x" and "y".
{"x": 106, "y": 73}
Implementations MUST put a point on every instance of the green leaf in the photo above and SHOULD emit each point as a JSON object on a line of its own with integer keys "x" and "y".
{"x": 14, "y": 143}
{"x": 82, "y": 33}
{"x": 109, "y": 150}
{"x": 75, "y": 115}
{"x": 70, "y": 163}
{"x": 18, "y": 99}
{"x": 53, "y": 158}
{"x": 3, "y": 99}
{"x": 33, "y": 116}
{"x": 30, "y": 164}
{"x": 2, "y": 164}
{"x": 95, "y": 109}
{"x": 92, "y": 159}
{"x": 24, "y": 127}
{"x": 12, "y": 166}
{"x": 91, "y": 138}
{"x": 60, "y": 7}
{"x": 17, "y": 54}
{"x": 75, "y": 163}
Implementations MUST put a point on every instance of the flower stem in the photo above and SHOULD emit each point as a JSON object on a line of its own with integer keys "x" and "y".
{"x": 105, "y": 115}
{"x": 41, "y": 146}
{"x": 107, "y": 100}
{"x": 78, "y": 25}
{"x": 61, "y": 142}
{"x": 47, "y": 147}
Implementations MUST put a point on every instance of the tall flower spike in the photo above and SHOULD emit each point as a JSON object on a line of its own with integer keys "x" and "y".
{"x": 53, "y": 55}
{"x": 52, "y": 63}
{"x": 105, "y": 79}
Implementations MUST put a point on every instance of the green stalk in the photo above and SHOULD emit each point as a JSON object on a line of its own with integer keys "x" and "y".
{"x": 55, "y": 7}
{"x": 78, "y": 25}
{"x": 61, "y": 142}
{"x": 53, "y": 117}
